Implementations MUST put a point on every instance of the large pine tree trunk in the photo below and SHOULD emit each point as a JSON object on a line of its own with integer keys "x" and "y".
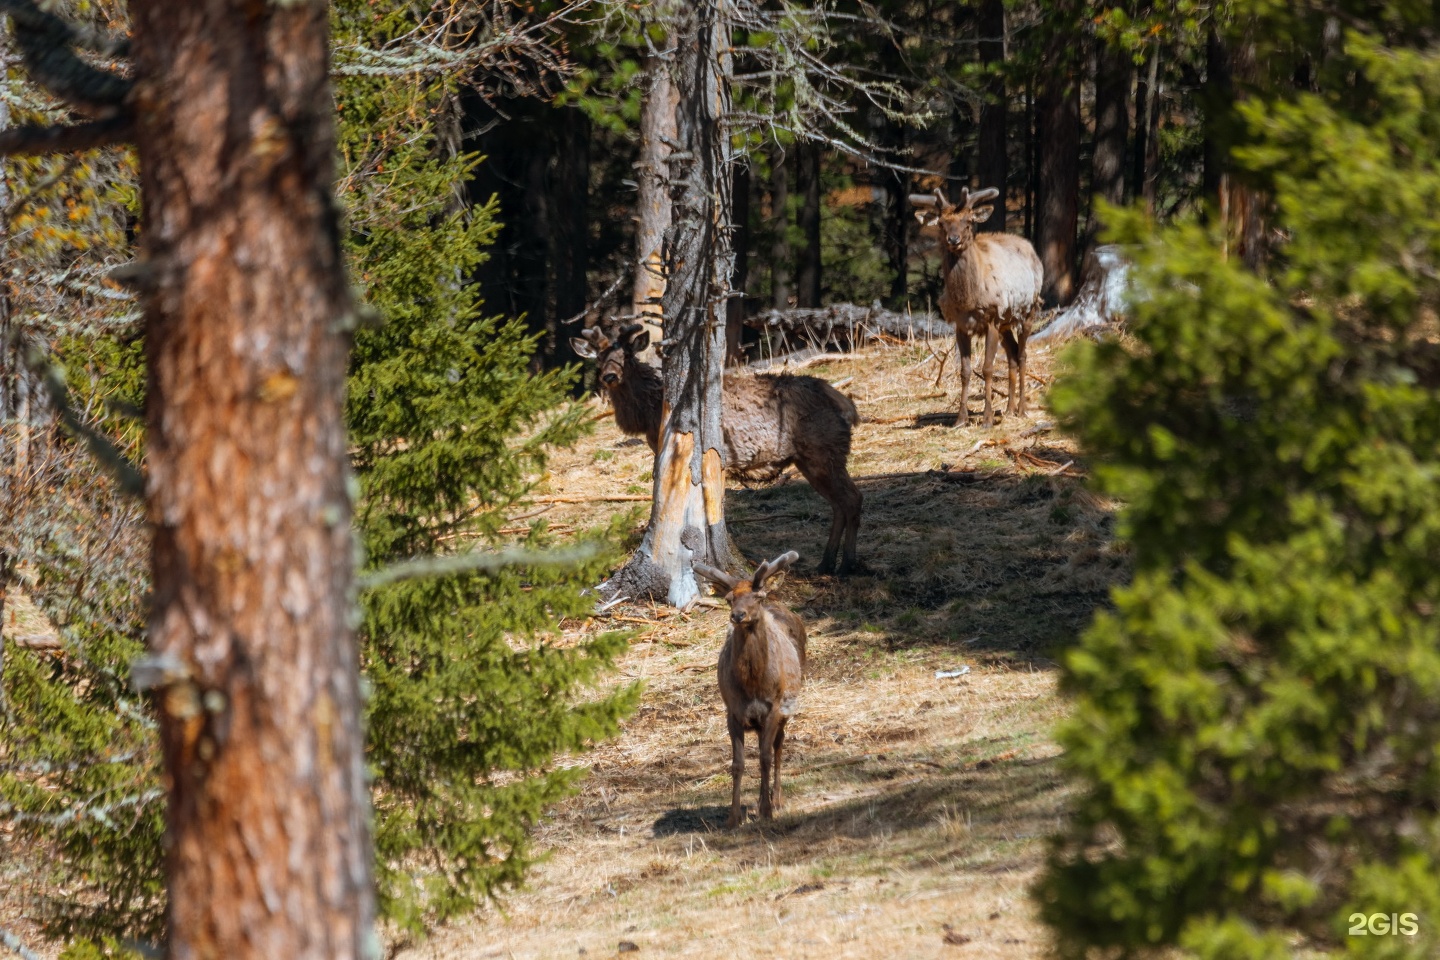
{"x": 1113, "y": 72}
{"x": 652, "y": 206}
{"x": 1058, "y": 200}
{"x": 687, "y": 516}
{"x": 256, "y": 669}
{"x": 993, "y": 164}
{"x": 807, "y": 274}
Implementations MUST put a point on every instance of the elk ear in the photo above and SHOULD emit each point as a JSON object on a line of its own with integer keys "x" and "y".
{"x": 927, "y": 216}
{"x": 639, "y": 341}
{"x": 981, "y": 214}
{"x": 583, "y": 348}
{"x": 716, "y": 576}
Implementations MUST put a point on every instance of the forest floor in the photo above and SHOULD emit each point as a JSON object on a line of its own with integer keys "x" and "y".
{"x": 917, "y": 807}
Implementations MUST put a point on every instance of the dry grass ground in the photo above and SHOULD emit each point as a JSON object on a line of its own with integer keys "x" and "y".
{"x": 916, "y": 807}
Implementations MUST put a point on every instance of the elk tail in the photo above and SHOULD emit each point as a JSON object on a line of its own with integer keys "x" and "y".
{"x": 845, "y": 405}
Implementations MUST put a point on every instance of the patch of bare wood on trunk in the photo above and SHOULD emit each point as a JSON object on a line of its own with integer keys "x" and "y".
{"x": 672, "y": 489}
{"x": 713, "y": 484}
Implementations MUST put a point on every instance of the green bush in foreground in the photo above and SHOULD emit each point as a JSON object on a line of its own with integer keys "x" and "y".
{"x": 1256, "y": 730}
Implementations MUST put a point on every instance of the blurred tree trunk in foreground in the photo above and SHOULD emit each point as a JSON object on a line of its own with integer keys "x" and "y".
{"x": 252, "y": 650}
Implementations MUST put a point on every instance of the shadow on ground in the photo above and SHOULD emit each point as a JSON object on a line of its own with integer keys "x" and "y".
{"x": 1003, "y": 564}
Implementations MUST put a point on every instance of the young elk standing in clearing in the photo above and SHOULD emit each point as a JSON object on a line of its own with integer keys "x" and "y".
{"x": 769, "y": 421}
{"x": 992, "y": 285}
{"x": 761, "y": 670}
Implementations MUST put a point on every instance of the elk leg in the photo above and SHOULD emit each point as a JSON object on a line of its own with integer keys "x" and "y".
{"x": 737, "y": 768}
{"x": 991, "y": 336}
{"x": 773, "y": 719}
{"x": 779, "y": 798}
{"x": 1021, "y": 336}
{"x": 962, "y": 344}
{"x": 852, "y": 500}
{"x": 824, "y": 480}
{"x": 1015, "y": 403}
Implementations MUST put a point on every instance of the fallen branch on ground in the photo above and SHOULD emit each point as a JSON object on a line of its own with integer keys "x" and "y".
{"x": 610, "y": 498}
{"x": 905, "y": 396}
{"x": 36, "y": 641}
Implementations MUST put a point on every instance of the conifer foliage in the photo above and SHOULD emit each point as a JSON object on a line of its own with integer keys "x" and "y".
{"x": 473, "y": 691}
{"x": 1256, "y": 720}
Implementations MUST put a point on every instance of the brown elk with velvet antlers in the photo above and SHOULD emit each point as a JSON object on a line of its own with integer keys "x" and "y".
{"x": 769, "y": 422}
{"x": 992, "y": 286}
{"x": 761, "y": 670}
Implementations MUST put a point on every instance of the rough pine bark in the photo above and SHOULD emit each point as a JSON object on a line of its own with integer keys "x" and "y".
{"x": 253, "y": 658}
{"x": 652, "y": 206}
{"x": 687, "y": 516}
{"x": 993, "y": 165}
{"x": 1058, "y": 199}
{"x": 807, "y": 274}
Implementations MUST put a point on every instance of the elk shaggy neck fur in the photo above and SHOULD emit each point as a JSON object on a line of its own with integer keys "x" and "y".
{"x": 980, "y": 283}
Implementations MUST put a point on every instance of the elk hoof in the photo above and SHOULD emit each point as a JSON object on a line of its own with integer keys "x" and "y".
{"x": 736, "y": 818}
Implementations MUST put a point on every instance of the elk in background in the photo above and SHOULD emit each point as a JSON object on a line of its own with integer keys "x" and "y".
{"x": 761, "y": 670}
{"x": 769, "y": 421}
{"x": 992, "y": 286}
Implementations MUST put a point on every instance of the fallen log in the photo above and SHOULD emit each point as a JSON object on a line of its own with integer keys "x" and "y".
{"x": 1101, "y": 303}
{"x": 842, "y": 327}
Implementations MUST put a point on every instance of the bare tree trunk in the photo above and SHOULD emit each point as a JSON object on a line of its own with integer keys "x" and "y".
{"x": 807, "y": 277}
{"x": 994, "y": 164}
{"x": 252, "y": 653}
{"x": 687, "y": 516}
{"x": 652, "y": 206}
{"x": 1058, "y": 130}
{"x": 780, "y": 219}
{"x": 1112, "y": 119}
{"x": 740, "y": 241}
